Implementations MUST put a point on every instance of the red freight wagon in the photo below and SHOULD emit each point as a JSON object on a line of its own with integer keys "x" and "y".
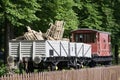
{"x": 99, "y": 40}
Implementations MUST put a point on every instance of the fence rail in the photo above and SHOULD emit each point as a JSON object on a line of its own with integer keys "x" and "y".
{"x": 99, "y": 73}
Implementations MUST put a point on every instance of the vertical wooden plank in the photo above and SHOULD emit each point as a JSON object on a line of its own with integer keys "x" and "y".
{"x": 97, "y": 73}
{"x": 20, "y": 76}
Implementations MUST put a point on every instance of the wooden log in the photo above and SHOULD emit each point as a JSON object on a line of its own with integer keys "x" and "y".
{"x": 19, "y": 38}
{"x": 56, "y": 30}
{"x": 33, "y": 35}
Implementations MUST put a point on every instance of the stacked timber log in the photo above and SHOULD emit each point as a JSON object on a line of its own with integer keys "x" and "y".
{"x": 33, "y": 35}
{"x": 55, "y": 32}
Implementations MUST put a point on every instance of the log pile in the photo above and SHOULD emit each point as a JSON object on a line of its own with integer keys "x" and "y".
{"x": 33, "y": 35}
{"x": 55, "y": 32}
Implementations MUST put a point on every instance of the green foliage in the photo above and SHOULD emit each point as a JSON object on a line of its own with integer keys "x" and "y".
{"x": 65, "y": 12}
{"x": 46, "y": 15}
{"x": 94, "y": 18}
{"x": 88, "y": 13}
{"x": 99, "y": 14}
{"x": 3, "y": 69}
{"x": 52, "y": 10}
{"x": 116, "y": 28}
{"x": 20, "y": 12}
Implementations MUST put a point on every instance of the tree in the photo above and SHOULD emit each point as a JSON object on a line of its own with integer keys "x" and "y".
{"x": 88, "y": 13}
{"x": 16, "y": 13}
{"x": 65, "y": 12}
{"x": 116, "y": 29}
{"x": 52, "y": 10}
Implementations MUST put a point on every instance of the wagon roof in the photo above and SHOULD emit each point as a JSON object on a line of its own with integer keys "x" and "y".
{"x": 90, "y": 30}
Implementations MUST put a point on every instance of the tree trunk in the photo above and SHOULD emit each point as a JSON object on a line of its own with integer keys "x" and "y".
{"x": 6, "y": 39}
{"x": 116, "y": 54}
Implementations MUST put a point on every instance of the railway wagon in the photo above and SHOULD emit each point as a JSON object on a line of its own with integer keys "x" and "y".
{"x": 45, "y": 54}
{"x": 86, "y": 47}
{"x": 100, "y": 42}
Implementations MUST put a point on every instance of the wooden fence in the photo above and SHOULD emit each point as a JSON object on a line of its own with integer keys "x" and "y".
{"x": 99, "y": 73}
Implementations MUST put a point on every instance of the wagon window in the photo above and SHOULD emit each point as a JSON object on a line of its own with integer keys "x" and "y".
{"x": 85, "y": 37}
